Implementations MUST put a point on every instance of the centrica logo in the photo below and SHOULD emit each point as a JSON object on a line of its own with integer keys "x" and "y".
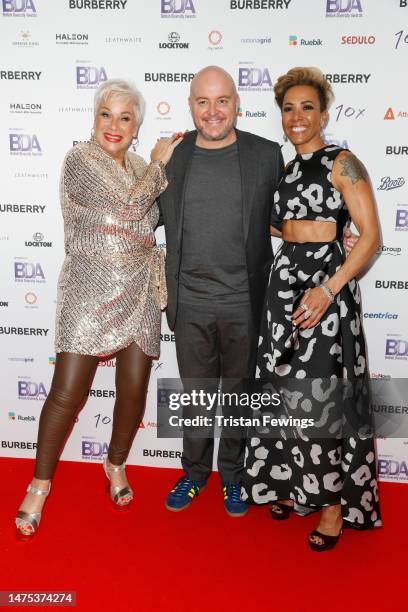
{"x": 29, "y": 390}
{"x": 344, "y": 8}
{"x": 392, "y": 468}
{"x": 257, "y": 5}
{"x": 178, "y": 9}
{"x": 380, "y": 315}
{"x": 24, "y": 144}
{"x": 169, "y": 77}
{"x": 174, "y": 42}
{"x": 27, "y": 272}
{"x": 358, "y": 40}
{"x": 98, "y": 5}
{"x": 90, "y": 77}
{"x": 387, "y": 183}
{"x": 251, "y": 78}
{"x": 19, "y": 8}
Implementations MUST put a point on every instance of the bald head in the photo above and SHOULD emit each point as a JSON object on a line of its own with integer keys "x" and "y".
{"x": 211, "y": 75}
{"x": 214, "y": 106}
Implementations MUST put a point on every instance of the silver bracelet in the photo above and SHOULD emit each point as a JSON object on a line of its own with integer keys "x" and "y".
{"x": 329, "y": 293}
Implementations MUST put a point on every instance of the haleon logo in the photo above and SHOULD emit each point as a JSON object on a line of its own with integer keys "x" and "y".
{"x": 24, "y": 144}
{"x": 90, "y": 77}
{"x": 396, "y": 348}
{"x": 27, "y": 272}
{"x": 344, "y": 8}
{"x": 94, "y": 450}
{"x": 254, "y": 78}
{"x": 178, "y": 9}
{"x": 19, "y": 8}
{"x": 29, "y": 390}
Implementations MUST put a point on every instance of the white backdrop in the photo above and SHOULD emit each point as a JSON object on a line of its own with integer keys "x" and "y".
{"x": 53, "y": 55}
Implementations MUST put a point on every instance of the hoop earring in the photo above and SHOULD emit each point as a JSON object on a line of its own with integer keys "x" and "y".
{"x": 135, "y": 141}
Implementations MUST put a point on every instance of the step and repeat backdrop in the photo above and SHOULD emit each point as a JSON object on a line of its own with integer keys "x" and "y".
{"x": 55, "y": 53}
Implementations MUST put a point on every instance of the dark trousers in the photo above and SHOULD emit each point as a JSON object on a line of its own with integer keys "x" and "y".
{"x": 215, "y": 340}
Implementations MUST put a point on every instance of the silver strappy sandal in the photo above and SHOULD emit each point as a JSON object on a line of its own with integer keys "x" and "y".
{"x": 117, "y": 494}
{"x": 27, "y": 523}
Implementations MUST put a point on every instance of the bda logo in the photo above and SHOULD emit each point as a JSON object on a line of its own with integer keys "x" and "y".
{"x": 94, "y": 450}
{"x": 344, "y": 8}
{"x": 31, "y": 390}
{"x": 401, "y": 220}
{"x": 90, "y": 77}
{"x": 25, "y": 271}
{"x": 20, "y": 8}
{"x": 259, "y": 78}
{"x": 396, "y": 349}
{"x": 24, "y": 144}
{"x": 177, "y": 8}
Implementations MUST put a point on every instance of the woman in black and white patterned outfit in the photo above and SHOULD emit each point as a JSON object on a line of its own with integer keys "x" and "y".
{"x": 311, "y": 335}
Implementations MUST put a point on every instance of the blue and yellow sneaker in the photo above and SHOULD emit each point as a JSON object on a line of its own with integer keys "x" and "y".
{"x": 233, "y": 504}
{"x": 185, "y": 490}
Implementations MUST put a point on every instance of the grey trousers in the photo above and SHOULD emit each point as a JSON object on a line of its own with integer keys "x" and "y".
{"x": 215, "y": 340}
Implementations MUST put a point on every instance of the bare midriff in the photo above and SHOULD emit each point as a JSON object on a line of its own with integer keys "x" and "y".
{"x": 302, "y": 230}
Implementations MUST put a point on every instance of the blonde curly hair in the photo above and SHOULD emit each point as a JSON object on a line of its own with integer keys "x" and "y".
{"x": 310, "y": 76}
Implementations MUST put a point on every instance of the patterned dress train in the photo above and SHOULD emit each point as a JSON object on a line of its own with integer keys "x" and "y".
{"x": 320, "y": 373}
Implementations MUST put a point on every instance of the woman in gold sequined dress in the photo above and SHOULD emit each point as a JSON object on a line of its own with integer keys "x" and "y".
{"x": 111, "y": 288}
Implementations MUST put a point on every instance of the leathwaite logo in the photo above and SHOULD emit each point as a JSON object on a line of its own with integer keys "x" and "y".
{"x": 19, "y": 8}
{"x": 178, "y": 9}
{"x": 344, "y": 8}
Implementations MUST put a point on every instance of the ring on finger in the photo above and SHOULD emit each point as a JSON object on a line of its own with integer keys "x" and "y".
{"x": 304, "y": 307}
{"x": 308, "y": 313}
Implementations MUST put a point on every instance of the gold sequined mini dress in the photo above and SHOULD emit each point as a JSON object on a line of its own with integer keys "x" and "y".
{"x": 111, "y": 288}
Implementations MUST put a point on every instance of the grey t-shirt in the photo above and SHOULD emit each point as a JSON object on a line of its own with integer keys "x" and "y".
{"x": 213, "y": 263}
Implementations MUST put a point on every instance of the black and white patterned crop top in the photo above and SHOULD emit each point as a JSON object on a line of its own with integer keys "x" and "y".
{"x": 306, "y": 190}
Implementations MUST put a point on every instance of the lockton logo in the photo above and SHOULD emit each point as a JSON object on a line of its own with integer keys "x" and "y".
{"x": 178, "y": 9}
{"x": 93, "y": 450}
{"x": 380, "y": 315}
{"x": 361, "y": 78}
{"x": 20, "y": 75}
{"x": 19, "y": 8}
{"x": 37, "y": 241}
{"x": 401, "y": 219}
{"x": 29, "y": 390}
{"x": 25, "y": 108}
{"x": 173, "y": 42}
{"x": 344, "y": 8}
{"x": 358, "y": 40}
{"x": 73, "y": 38}
{"x": 313, "y": 42}
{"x": 256, "y": 5}
{"x": 28, "y": 272}
{"x": 387, "y": 183}
{"x": 3, "y": 304}
{"x": 98, "y": 5}
{"x": 396, "y": 348}
{"x": 215, "y": 38}
{"x": 396, "y": 150}
{"x": 24, "y": 144}
{"x": 391, "y": 115}
{"x": 251, "y": 78}
{"x": 90, "y": 77}
{"x": 169, "y": 77}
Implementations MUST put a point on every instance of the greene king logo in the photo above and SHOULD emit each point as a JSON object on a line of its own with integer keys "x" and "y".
{"x": 89, "y": 77}
{"x": 19, "y": 8}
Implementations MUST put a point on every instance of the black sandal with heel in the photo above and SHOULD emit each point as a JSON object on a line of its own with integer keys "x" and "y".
{"x": 328, "y": 541}
{"x": 279, "y": 511}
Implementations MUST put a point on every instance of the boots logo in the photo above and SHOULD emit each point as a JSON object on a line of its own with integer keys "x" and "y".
{"x": 90, "y": 77}
{"x": 344, "y": 8}
{"x": 388, "y": 183}
{"x": 19, "y": 8}
{"x": 24, "y": 144}
{"x": 178, "y": 9}
{"x": 255, "y": 79}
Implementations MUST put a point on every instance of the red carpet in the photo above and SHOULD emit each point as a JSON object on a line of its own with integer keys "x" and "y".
{"x": 150, "y": 559}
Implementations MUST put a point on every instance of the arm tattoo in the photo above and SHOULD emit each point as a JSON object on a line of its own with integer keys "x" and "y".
{"x": 353, "y": 168}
